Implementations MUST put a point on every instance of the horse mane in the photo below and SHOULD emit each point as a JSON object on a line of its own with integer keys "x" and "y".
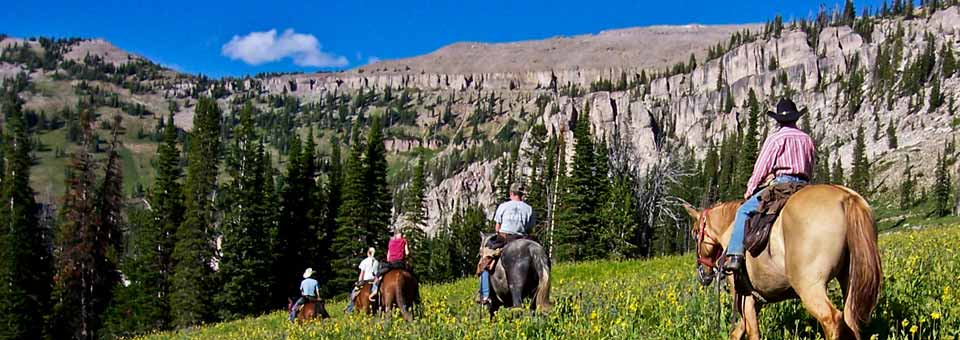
{"x": 725, "y": 211}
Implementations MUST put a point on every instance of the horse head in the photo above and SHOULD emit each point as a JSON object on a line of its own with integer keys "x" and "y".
{"x": 709, "y": 249}
{"x": 484, "y": 239}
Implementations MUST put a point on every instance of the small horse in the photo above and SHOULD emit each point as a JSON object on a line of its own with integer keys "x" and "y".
{"x": 361, "y": 302}
{"x": 310, "y": 310}
{"x": 823, "y": 232}
{"x": 522, "y": 271}
{"x": 398, "y": 288}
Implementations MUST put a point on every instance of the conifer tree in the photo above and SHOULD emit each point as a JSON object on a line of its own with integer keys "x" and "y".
{"x": 860, "y": 172}
{"x": 246, "y": 260}
{"x": 349, "y": 240}
{"x": 537, "y": 181}
{"x": 192, "y": 281}
{"x": 376, "y": 190}
{"x": 574, "y": 240}
{"x": 143, "y": 305}
{"x": 836, "y": 176}
{"x": 936, "y": 98}
{"x": 332, "y": 205}
{"x": 892, "y": 134}
{"x": 25, "y": 261}
{"x": 293, "y": 233}
{"x": 941, "y": 188}
{"x": 88, "y": 241}
{"x": 906, "y": 186}
{"x": 420, "y": 249}
{"x": 949, "y": 64}
{"x": 749, "y": 150}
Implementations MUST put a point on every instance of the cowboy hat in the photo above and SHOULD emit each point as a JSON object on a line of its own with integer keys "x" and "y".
{"x": 308, "y": 273}
{"x": 786, "y": 112}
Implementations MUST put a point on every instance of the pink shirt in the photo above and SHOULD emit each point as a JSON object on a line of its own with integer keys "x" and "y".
{"x": 396, "y": 249}
{"x": 789, "y": 151}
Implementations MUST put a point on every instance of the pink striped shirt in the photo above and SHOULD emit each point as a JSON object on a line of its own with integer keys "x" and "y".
{"x": 789, "y": 151}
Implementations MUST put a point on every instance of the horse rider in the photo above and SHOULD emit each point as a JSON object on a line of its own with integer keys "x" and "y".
{"x": 309, "y": 291}
{"x": 786, "y": 157}
{"x": 368, "y": 269}
{"x": 514, "y": 219}
{"x": 397, "y": 251}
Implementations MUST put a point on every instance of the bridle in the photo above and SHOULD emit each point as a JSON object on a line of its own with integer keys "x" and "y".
{"x": 709, "y": 261}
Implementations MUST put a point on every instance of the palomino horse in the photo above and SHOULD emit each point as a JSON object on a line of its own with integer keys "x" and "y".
{"x": 522, "y": 271}
{"x": 823, "y": 232}
{"x": 310, "y": 310}
{"x": 398, "y": 288}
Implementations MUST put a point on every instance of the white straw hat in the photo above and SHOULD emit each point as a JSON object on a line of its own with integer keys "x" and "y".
{"x": 308, "y": 273}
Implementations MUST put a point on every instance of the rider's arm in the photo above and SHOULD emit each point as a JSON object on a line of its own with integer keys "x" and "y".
{"x": 360, "y": 278}
{"x": 406, "y": 249}
{"x": 768, "y": 157}
{"x": 497, "y": 227}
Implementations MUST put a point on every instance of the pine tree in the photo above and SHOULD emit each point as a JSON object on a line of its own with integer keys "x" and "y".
{"x": 377, "y": 191}
{"x": 941, "y": 188}
{"x": 749, "y": 150}
{"x": 574, "y": 239}
{"x": 296, "y": 229}
{"x": 620, "y": 223}
{"x": 892, "y": 134}
{"x": 88, "y": 241}
{"x": 538, "y": 179}
{"x": 949, "y": 64}
{"x": 836, "y": 176}
{"x": 246, "y": 260}
{"x": 849, "y": 13}
{"x": 860, "y": 172}
{"x": 25, "y": 261}
{"x": 192, "y": 281}
{"x": 143, "y": 305}
{"x": 137, "y": 307}
{"x": 906, "y": 186}
{"x": 936, "y": 98}
{"x": 420, "y": 248}
{"x": 349, "y": 241}
{"x": 332, "y": 205}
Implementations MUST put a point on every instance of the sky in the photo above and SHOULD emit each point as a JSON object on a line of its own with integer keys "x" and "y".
{"x": 244, "y": 37}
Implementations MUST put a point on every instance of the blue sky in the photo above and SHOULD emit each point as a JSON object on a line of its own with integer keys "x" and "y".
{"x": 199, "y": 36}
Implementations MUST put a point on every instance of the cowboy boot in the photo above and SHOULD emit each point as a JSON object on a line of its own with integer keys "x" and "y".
{"x": 733, "y": 264}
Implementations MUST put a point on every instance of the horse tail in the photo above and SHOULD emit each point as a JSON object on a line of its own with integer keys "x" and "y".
{"x": 864, "y": 273}
{"x": 542, "y": 296}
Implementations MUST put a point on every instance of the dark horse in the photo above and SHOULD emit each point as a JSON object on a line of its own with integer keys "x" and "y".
{"x": 310, "y": 310}
{"x": 399, "y": 289}
{"x": 523, "y": 271}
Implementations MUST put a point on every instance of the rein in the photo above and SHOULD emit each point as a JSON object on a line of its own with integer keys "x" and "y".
{"x": 710, "y": 261}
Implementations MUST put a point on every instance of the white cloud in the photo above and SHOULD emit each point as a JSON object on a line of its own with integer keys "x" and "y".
{"x": 258, "y": 48}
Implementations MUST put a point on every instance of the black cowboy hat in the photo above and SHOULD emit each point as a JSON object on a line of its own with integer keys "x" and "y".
{"x": 786, "y": 112}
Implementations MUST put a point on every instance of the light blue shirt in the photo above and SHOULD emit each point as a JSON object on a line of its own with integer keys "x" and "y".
{"x": 308, "y": 287}
{"x": 515, "y": 217}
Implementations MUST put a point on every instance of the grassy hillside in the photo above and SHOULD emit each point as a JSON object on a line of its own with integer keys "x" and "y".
{"x": 654, "y": 299}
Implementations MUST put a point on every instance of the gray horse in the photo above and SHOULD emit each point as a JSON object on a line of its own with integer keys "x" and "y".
{"x": 523, "y": 271}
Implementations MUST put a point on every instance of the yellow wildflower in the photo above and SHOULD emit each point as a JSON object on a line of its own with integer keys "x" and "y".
{"x": 905, "y": 323}
{"x": 935, "y": 315}
{"x": 914, "y": 329}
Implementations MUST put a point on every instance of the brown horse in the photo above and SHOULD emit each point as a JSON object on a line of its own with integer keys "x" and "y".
{"x": 823, "y": 232}
{"x": 310, "y": 310}
{"x": 398, "y": 288}
{"x": 361, "y": 302}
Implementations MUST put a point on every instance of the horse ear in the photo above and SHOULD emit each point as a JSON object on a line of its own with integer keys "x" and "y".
{"x": 693, "y": 212}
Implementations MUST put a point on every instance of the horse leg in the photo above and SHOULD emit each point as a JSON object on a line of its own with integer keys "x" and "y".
{"x": 751, "y": 312}
{"x": 817, "y": 303}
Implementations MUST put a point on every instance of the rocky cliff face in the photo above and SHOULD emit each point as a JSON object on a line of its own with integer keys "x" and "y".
{"x": 695, "y": 104}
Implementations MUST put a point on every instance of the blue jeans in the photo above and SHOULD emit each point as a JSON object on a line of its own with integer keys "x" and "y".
{"x": 300, "y": 301}
{"x": 353, "y": 296}
{"x": 485, "y": 284}
{"x": 749, "y": 207}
